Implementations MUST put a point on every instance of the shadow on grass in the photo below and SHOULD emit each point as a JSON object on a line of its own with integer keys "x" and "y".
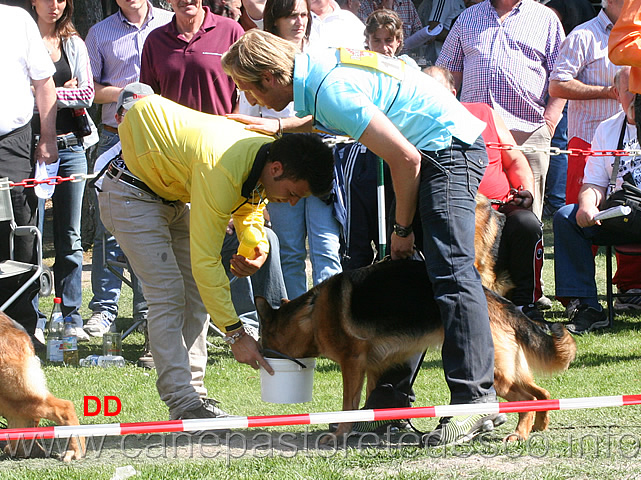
{"x": 597, "y": 359}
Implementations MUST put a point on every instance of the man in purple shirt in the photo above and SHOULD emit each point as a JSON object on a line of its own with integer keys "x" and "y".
{"x": 181, "y": 61}
{"x": 501, "y": 52}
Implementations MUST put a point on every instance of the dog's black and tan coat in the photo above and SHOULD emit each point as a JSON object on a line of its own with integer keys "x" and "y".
{"x": 370, "y": 319}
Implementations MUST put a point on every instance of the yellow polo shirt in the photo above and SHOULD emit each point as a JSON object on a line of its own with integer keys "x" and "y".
{"x": 202, "y": 159}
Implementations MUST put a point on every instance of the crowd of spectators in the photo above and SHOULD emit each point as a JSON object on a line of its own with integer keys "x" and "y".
{"x": 512, "y": 63}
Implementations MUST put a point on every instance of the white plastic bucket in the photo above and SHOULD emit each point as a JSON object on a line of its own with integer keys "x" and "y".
{"x": 290, "y": 383}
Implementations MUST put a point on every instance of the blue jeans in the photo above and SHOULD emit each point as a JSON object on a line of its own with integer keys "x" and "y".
{"x": 313, "y": 219}
{"x": 557, "y": 171}
{"x": 267, "y": 281}
{"x": 105, "y": 285}
{"x": 573, "y": 258}
{"x": 449, "y": 182}
{"x": 67, "y": 210}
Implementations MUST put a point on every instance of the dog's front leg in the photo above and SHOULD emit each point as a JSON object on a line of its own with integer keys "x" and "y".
{"x": 353, "y": 371}
{"x": 63, "y": 412}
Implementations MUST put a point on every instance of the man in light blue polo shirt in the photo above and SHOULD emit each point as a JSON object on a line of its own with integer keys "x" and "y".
{"x": 436, "y": 157}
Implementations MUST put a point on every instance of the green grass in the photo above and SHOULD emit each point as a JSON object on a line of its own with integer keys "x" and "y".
{"x": 600, "y": 443}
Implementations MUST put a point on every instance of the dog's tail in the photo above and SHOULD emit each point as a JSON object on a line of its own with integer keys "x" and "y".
{"x": 547, "y": 347}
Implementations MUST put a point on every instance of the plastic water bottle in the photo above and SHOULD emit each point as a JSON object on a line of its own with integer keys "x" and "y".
{"x": 56, "y": 331}
{"x": 250, "y": 239}
{"x": 103, "y": 361}
{"x": 70, "y": 343}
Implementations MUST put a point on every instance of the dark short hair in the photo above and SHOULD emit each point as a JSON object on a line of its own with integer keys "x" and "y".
{"x": 305, "y": 156}
{"x": 275, "y": 9}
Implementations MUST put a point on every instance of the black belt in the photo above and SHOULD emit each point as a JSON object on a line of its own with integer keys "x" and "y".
{"x": 69, "y": 140}
{"x": 118, "y": 173}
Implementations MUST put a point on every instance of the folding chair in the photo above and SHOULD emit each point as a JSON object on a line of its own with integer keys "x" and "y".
{"x": 628, "y": 249}
{"x": 11, "y": 268}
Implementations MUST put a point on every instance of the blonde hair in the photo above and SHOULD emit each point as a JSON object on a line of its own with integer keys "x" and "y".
{"x": 257, "y": 52}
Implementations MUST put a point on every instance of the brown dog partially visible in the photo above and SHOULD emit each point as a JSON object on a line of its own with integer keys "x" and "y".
{"x": 24, "y": 397}
{"x": 373, "y": 318}
{"x": 487, "y": 238}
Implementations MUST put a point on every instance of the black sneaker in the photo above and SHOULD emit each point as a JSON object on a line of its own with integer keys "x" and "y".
{"x": 208, "y": 409}
{"x": 461, "y": 429}
{"x": 532, "y": 311}
{"x": 586, "y": 319}
{"x": 543, "y": 303}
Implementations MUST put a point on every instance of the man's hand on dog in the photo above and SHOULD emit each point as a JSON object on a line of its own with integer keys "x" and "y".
{"x": 402, "y": 247}
{"x": 246, "y": 350}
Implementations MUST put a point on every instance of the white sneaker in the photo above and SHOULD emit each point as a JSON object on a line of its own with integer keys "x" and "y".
{"x": 82, "y": 335}
{"x": 98, "y": 324}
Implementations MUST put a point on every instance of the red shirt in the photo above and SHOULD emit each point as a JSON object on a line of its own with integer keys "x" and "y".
{"x": 190, "y": 73}
{"x": 495, "y": 184}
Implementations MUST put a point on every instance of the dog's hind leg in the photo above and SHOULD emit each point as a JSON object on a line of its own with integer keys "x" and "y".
{"x": 513, "y": 392}
{"x": 542, "y": 418}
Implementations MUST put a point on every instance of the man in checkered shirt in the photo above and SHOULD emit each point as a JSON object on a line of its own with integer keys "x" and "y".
{"x": 501, "y": 52}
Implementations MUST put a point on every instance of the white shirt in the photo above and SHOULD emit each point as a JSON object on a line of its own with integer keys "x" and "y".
{"x": 105, "y": 158}
{"x": 599, "y": 169}
{"x": 584, "y": 56}
{"x": 23, "y": 57}
{"x": 341, "y": 28}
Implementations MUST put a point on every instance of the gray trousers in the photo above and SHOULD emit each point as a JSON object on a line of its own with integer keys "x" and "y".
{"x": 155, "y": 238}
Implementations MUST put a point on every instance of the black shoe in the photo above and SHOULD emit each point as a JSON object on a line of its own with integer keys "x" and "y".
{"x": 531, "y": 311}
{"x": 543, "y": 303}
{"x": 586, "y": 319}
{"x": 207, "y": 409}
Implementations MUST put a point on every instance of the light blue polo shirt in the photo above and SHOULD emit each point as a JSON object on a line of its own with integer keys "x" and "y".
{"x": 342, "y": 98}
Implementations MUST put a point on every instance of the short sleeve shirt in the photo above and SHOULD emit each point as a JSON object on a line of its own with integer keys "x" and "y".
{"x": 343, "y": 99}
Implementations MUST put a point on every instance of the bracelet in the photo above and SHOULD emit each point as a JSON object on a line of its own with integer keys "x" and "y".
{"x": 280, "y": 128}
{"x": 402, "y": 231}
{"x": 234, "y": 337}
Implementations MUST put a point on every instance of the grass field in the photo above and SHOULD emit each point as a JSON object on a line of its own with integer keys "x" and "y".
{"x": 592, "y": 443}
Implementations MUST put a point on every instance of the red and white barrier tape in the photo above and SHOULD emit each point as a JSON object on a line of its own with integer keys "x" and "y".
{"x": 116, "y": 429}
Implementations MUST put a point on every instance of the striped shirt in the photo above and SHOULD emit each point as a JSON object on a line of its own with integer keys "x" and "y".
{"x": 115, "y": 47}
{"x": 584, "y": 57}
{"x": 505, "y": 65}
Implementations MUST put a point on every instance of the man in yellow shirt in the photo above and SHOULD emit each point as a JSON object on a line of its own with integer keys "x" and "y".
{"x": 173, "y": 156}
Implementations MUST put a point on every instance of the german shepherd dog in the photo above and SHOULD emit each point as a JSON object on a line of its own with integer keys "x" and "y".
{"x": 370, "y": 319}
{"x": 487, "y": 238}
{"x": 24, "y": 397}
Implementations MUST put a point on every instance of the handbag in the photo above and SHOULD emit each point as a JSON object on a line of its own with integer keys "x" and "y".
{"x": 629, "y": 195}
{"x": 81, "y": 122}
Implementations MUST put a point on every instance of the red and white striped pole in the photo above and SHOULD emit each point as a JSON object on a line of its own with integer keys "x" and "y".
{"x": 116, "y": 429}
